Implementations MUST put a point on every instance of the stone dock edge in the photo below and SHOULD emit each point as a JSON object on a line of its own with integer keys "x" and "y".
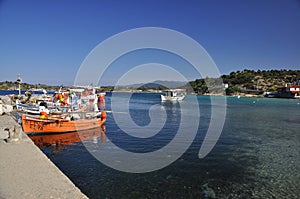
{"x": 25, "y": 171}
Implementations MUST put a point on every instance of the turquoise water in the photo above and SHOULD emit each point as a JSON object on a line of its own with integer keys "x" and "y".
{"x": 257, "y": 155}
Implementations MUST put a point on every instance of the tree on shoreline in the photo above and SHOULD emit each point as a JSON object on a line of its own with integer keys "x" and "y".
{"x": 250, "y": 81}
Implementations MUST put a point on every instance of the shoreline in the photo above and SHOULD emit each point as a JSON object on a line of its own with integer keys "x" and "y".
{"x": 26, "y": 172}
{"x": 161, "y": 91}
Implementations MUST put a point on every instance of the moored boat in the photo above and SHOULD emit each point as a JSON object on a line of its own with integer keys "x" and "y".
{"x": 173, "y": 95}
{"x": 287, "y": 91}
{"x": 71, "y": 123}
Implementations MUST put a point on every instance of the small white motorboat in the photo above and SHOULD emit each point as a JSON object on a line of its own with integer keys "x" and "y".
{"x": 173, "y": 95}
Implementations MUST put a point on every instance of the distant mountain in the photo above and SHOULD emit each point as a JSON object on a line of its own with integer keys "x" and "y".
{"x": 158, "y": 84}
{"x": 171, "y": 84}
{"x": 152, "y": 86}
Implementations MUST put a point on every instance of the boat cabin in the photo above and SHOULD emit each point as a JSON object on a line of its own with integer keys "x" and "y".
{"x": 173, "y": 95}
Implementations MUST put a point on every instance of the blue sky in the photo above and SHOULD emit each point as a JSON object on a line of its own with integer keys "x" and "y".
{"x": 47, "y": 41}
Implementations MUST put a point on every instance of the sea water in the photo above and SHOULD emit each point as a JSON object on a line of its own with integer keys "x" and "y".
{"x": 256, "y": 156}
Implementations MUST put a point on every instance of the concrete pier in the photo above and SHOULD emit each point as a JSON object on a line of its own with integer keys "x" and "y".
{"x": 25, "y": 172}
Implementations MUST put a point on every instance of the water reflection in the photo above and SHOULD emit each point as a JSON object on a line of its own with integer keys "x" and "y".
{"x": 60, "y": 140}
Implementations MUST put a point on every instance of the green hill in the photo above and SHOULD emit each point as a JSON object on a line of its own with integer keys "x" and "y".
{"x": 250, "y": 81}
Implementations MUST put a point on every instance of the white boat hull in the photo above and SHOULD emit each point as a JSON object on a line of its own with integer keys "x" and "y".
{"x": 171, "y": 99}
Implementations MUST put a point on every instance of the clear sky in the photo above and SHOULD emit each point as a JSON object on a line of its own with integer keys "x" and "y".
{"x": 46, "y": 41}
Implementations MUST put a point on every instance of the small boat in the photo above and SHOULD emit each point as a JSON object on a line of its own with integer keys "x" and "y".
{"x": 173, "y": 95}
{"x": 57, "y": 124}
{"x": 287, "y": 91}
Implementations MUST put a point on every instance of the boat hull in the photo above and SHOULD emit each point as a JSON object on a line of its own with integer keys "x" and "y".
{"x": 31, "y": 124}
{"x": 171, "y": 99}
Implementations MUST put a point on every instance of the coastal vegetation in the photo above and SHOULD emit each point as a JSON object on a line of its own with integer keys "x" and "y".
{"x": 250, "y": 81}
{"x": 9, "y": 85}
{"x": 238, "y": 82}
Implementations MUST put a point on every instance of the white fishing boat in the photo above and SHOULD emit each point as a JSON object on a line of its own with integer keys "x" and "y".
{"x": 173, "y": 95}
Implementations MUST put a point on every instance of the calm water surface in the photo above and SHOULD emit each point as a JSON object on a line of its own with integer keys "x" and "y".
{"x": 257, "y": 155}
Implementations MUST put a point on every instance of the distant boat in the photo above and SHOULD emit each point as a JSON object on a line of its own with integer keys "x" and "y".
{"x": 292, "y": 91}
{"x": 173, "y": 95}
{"x": 36, "y": 124}
{"x": 38, "y": 91}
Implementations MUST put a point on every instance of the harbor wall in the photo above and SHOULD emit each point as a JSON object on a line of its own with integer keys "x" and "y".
{"x": 25, "y": 171}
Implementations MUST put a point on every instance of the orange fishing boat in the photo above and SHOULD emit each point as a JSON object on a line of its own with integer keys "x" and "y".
{"x": 36, "y": 124}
